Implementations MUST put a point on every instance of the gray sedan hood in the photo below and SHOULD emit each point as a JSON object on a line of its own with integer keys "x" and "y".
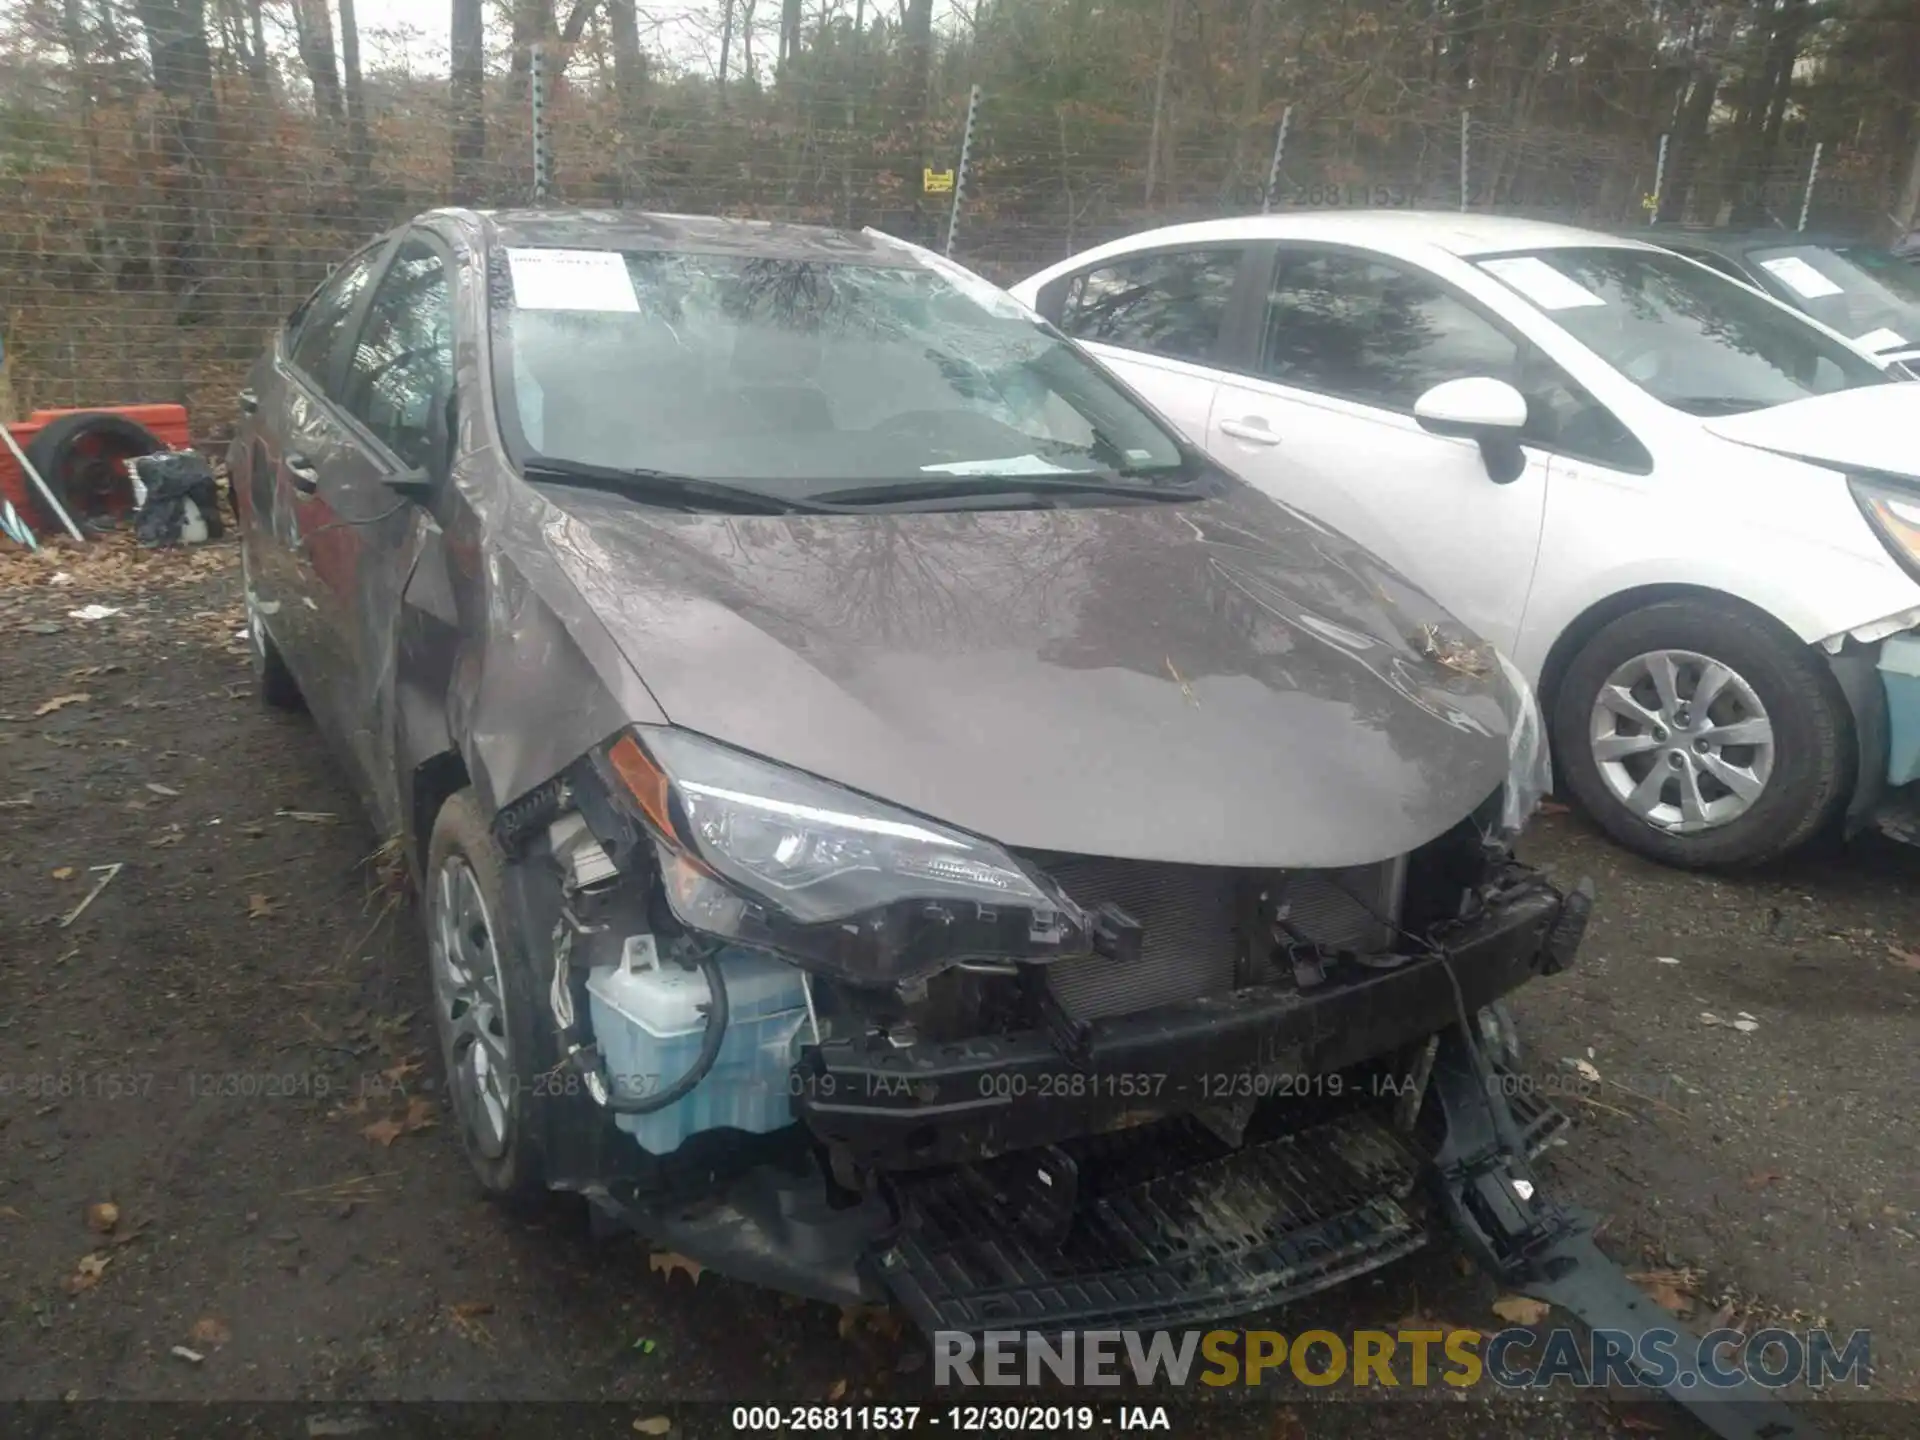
{"x": 1221, "y": 682}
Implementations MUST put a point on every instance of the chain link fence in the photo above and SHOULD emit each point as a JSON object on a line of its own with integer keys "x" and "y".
{"x": 149, "y": 240}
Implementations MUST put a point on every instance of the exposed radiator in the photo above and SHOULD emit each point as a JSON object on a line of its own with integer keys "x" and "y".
{"x": 1187, "y": 915}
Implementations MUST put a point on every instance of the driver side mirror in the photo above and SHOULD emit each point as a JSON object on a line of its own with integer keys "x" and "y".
{"x": 1483, "y": 409}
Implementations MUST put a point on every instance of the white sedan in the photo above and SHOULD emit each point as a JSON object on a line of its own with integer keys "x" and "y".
{"x": 1690, "y": 514}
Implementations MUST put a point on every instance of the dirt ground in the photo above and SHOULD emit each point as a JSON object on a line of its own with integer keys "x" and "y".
{"x": 230, "y": 1045}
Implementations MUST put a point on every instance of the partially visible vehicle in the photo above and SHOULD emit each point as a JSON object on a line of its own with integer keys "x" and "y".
{"x": 1690, "y": 513}
{"x": 1867, "y": 293}
{"x": 892, "y": 820}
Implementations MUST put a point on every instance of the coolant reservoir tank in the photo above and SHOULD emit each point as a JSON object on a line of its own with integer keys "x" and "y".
{"x": 650, "y": 1018}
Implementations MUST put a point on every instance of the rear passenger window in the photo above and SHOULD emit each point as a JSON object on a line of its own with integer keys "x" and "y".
{"x": 1170, "y": 303}
{"x": 324, "y": 317}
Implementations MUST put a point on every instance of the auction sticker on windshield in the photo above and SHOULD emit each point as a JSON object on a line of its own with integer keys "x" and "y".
{"x": 1881, "y": 339}
{"x": 572, "y": 280}
{"x": 1805, "y": 280}
{"x": 1541, "y": 283}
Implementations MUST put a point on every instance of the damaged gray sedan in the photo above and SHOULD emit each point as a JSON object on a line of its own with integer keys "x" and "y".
{"x": 892, "y": 819}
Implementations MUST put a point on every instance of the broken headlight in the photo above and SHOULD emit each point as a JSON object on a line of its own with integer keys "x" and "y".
{"x": 762, "y": 855}
{"x": 1529, "y": 773}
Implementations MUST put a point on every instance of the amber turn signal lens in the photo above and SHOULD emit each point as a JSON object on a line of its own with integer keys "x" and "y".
{"x": 644, "y": 780}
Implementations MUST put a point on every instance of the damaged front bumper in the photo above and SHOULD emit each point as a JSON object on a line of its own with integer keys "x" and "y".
{"x": 891, "y": 1106}
{"x": 1185, "y": 1162}
{"x": 1878, "y": 671}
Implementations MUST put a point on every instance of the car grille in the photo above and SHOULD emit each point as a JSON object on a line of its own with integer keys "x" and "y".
{"x": 1188, "y": 916}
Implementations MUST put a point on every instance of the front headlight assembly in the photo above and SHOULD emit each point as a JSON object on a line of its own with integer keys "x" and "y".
{"x": 761, "y": 855}
{"x": 1893, "y": 510}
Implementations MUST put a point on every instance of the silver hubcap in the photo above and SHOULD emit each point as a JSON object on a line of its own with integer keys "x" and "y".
{"x": 470, "y": 1005}
{"x": 1681, "y": 740}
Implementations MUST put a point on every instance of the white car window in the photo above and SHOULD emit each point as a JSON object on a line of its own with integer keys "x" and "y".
{"x": 1690, "y": 338}
{"x": 1363, "y": 329}
{"x": 1170, "y": 303}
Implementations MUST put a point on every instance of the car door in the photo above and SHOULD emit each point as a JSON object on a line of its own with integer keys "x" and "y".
{"x": 1322, "y": 418}
{"x": 395, "y": 381}
{"x": 1159, "y": 319}
{"x": 288, "y": 396}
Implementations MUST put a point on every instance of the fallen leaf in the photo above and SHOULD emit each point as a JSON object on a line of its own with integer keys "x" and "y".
{"x": 471, "y": 1309}
{"x": 1662, "y": 1288}
{"x": 1586, "y": 1070}
{"x": 1287, "y": 1425}
{"x": 1640, "y": 1423}
{"x": 1746, "y": 1027}
{"x": 1665, "y": 960}
{"x": 102, "y": 1217}
{"x": 1762, "y": 1179}
{"x": 65, "y": 872}
{"x": 161, "y": 789}
{"x": 1553, "y": 807}
{"x": 653, "y": 1425}
{"x": 665, "y": 1262}
{"x": 384, "y": 1132}
{"x": 184, "y": 1353}
{"x": 1521, "y": 1309}
{"x": 1908, "y": 958}
{"x": 839, "y": 1389}
{"x": 87, "y": 1272}
{"x": 60, "y": 702}
{"x": 261, "y": 907}
{"x": 397, "y": 1074}
{"x": 210, "y": 1332}
{"x": 419, "y": 1115}
{"x": 10, "y": 1213}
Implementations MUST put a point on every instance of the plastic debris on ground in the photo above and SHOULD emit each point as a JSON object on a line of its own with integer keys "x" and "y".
{"x": 177, "y": 499}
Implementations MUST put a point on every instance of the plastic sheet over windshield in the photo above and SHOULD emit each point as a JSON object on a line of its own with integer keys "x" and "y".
{"x": 1683, "y": 333}
{"x": 797, "y": 376}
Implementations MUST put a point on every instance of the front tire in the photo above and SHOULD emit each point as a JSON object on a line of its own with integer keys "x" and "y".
{"x": 486, "y": 1006}
{"x": 1694, "y": 733}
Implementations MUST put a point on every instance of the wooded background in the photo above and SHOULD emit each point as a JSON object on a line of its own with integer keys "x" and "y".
{"x": 176, "y": 174}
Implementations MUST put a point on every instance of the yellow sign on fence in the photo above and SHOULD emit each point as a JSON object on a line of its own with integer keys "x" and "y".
{"x": 936, "y": 182}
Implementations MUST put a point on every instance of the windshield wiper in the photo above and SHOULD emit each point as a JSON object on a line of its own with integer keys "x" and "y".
{"x": 663, "y": 487}
{"x": 955, "y": 487}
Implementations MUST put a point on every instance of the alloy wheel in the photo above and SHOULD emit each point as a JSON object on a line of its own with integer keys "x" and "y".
{"x": 470, "y": 1007}
{"x": 1681, "y": 740}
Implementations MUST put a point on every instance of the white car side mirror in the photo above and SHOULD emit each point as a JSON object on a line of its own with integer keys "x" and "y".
{"x": 1483, "y": 409}
{"x": 1472, "y": 409}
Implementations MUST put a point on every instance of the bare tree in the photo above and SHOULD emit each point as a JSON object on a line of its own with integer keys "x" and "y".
{"x": 1160, "y": 96}
{"x": 469, "y": 78}
{"x": 359, "y": 154}
{"x": 183, "y": 76}
{"x": 313, "y": 33}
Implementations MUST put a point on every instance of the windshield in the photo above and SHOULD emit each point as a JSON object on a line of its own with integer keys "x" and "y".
{"x": 794, "y": 377}
{"x": 1686, "y": 335}
{"x": 1838, "y": 290}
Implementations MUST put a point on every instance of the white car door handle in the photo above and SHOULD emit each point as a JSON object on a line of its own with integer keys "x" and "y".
{"x": 1250, "y": 431}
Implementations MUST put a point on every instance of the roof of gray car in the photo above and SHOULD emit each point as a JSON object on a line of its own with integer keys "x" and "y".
{"x": 645, "y": 230}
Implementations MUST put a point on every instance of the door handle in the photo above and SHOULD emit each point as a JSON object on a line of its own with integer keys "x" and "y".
{"x": 1251, "y": 431}
{"x": 305, "y": 478}
{"x": 249, "y": 402}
